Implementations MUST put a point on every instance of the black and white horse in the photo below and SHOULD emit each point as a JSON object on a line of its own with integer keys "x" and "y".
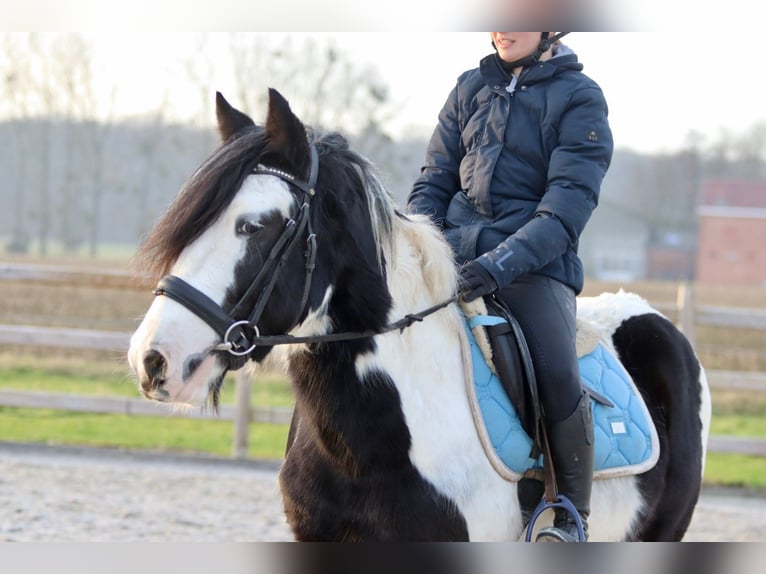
{"x": 290, "y": 234}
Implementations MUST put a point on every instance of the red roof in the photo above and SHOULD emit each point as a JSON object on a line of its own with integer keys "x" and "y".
{"x": 734, "y": 194}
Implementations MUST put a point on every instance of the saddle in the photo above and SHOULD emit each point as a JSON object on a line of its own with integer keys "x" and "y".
{"x": 510, "y": 420}
{"x": 512, "y": 362}
{"x": 513, "y": 365}
{"x": 502, "y": 392}
{"x": 626, "y": 441}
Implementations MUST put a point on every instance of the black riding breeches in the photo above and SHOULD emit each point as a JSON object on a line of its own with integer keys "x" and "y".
{"x": 545, "y": 310}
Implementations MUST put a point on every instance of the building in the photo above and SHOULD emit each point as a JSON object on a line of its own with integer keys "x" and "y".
{"x": 732, "y": 233}
{"x": 671, "y": 257}
{"x": 613, "y": 245}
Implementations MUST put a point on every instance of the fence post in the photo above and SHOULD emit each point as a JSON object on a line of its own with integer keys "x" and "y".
{"x": 685, "y": 302}
{"x": 242, "y": 414}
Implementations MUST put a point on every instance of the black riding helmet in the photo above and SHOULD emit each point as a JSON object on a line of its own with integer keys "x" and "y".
{"x": 546, "y": 41}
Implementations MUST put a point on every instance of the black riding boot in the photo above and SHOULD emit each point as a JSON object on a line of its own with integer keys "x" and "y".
{"x": 571, "y": 444}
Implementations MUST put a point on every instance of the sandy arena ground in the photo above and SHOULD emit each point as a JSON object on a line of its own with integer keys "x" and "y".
{"x": 57, "y": 494}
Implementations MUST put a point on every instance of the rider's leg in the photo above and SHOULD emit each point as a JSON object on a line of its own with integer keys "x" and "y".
{"x": 545, "y": 310}
{"x": 571, "y": 443}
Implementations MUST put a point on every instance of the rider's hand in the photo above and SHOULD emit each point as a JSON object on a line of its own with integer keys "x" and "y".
{"x": 475, "y": 281}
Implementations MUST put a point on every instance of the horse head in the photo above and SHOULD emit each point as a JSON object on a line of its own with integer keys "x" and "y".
{"x": 263, "y": 239}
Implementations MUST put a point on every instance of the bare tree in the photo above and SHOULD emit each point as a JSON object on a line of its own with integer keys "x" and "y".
{"x": 72, "y": 76}
{"x": 149, "y": 162}
{"x": 50, "y": 78}
{"x": 201, "y": 71}
{"x": 44, "y": 96}
{"x": 750, "y": 151}
{"x": 33, "y": 87}
{"x": 15, "y": 73}
{"x": 321, "y": 81}
{"x": 90, "y": 118}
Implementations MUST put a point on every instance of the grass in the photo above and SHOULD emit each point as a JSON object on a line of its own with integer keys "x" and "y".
{"x": 30, "y": 378}
{"x": 745, "y": 426}
{"x": 104, "y": 375}
{"x": 64, "y": 374}
{"x": 738, "y": 403}
{"x": 171, "y": 434}
{"x": 735, "y": 470}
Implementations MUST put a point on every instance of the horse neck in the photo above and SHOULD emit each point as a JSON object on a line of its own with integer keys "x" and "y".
{"x": 422, "y": 275}
{"x": 422, "y": 272}
{"x": 342, "y": 389}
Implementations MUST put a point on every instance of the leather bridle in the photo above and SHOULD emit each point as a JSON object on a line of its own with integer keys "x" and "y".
{"x": 240, "y": 337}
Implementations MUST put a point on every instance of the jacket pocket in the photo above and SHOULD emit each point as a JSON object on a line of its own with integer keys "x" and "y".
{"x": 460, "y": 211}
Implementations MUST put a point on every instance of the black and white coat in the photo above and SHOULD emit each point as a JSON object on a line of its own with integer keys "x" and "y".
{"x": 384, "y": 445}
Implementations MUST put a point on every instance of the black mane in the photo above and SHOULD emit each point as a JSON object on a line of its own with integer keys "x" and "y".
{"x": 202, "y": 199}
{"x": 211, "y": 188}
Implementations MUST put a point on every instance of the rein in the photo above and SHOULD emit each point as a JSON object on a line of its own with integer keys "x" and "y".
{"x": 400, "y": 325}
{"x": 234, "y": 338}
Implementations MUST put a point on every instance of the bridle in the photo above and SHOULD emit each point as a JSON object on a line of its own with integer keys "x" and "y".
{"x": 241, "y": 337}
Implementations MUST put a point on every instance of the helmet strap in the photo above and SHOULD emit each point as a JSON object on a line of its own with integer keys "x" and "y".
{"x": 546, "y": 41}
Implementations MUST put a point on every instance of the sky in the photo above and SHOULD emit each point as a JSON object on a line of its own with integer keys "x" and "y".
{"x": 658, "y": 88}
{"x": 697, "y": 71}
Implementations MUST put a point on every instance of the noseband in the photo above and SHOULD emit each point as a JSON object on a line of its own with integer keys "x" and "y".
{"x": 239, "y": 337}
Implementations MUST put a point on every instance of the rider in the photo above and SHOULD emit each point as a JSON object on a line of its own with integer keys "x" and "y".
{"x": 512, "y": 174}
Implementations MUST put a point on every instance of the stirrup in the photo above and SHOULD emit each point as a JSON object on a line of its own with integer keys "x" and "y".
{"x": 562, "y": 502}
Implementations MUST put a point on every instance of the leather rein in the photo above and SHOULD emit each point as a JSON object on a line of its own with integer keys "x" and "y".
{"x": 240, "y": 337}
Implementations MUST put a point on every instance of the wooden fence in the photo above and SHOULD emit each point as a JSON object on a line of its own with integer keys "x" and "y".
{"x": 242, "y": 413}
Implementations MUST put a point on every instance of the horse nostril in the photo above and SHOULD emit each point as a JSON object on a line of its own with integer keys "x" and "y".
{"x": 154, "y": 365}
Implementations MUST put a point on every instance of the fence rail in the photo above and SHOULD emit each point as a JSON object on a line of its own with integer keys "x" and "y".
{"x": 62, "y": 275}
{"x": 242, "y": 413}
{"x": 136, "y": 407}
{"x": 61, "y": 337}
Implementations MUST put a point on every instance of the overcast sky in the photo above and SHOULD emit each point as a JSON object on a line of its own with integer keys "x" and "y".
{"x": 660, "y": 85}
{"x": 658, "y": 89}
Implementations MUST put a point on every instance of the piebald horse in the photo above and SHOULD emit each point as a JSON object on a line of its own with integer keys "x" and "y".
{"x": 284, "y": 248}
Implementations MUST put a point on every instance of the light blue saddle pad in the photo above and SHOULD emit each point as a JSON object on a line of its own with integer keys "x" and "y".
{"x": 626, "y": 440}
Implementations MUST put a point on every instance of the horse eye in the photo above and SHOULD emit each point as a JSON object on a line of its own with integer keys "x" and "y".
{"x": 246, "y": 227}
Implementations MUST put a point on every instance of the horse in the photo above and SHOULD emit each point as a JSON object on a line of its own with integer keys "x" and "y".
{"x": 284, "y": 249}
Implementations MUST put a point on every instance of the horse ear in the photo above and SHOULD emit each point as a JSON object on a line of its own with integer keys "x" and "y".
{"x": 286, "y": 133}
{"x": 230, "y": 120}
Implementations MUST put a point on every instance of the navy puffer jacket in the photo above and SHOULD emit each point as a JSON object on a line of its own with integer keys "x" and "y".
{"x": 512, "y": 177}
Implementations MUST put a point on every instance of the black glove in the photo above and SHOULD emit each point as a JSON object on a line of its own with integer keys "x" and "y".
{"x": 475, "y": 281}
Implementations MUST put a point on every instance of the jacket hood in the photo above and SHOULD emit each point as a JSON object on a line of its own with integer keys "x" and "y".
{"x": 562, "y": 50}
{"x": 564, "y": 58}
